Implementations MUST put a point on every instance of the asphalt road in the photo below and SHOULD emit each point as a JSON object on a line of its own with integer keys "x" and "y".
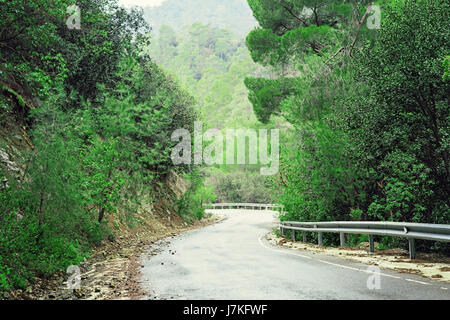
{"x": 232, "y": 260}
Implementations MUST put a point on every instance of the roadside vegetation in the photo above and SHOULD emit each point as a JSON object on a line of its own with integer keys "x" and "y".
{"x": 86, "y": 115}
{"x": 369, "y": 108}
{"x": 98, "y": 113}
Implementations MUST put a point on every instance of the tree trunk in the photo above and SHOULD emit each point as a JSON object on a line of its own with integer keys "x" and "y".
{"x": 101, "y": 214}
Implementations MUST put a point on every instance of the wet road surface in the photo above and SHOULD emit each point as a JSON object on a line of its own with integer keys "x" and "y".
{"x": 231, "y": 260}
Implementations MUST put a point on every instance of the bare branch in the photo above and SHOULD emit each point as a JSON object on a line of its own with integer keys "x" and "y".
{"x": 369, "y": 7}
{"x": 294, "y": 15}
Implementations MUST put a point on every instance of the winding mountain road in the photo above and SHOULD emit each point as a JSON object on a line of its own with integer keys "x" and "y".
{"x": 232, "y": 260}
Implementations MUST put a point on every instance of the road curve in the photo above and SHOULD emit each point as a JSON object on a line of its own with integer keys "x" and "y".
{"x": 232, "y": 260}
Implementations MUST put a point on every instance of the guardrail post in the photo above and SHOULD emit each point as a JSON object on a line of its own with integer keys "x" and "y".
{"x": 293, "y": 235}
{"x": 304, "y": 236}
{"x": 342, "y": 237}
{"x": 412, "y": 249}
{"x": 371, "y": 244}
{"x": 320, "y": 238}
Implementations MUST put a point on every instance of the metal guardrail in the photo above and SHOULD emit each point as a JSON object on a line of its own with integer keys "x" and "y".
{"x": 411, "y": 231}
{"x": 254, "y": 206}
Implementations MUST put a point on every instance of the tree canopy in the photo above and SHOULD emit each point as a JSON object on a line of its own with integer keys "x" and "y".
{"x": 369, "y": 108}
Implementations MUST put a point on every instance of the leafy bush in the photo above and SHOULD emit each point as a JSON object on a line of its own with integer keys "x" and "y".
{"x": 191, "y": 203}
{"x": 238, "y": 185}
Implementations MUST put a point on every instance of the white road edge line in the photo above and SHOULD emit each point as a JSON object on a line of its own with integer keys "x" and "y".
{"x": 416, "y": 281}
{"x": 339, "y": 265}
{"x": 280, "y": 251}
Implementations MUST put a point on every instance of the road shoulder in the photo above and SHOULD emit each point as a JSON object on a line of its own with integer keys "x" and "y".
{"x": 431, "y": 266}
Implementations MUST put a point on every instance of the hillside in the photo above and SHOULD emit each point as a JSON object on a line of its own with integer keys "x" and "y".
{"x": 99, "y": 126}
{"x": 78, "y": 159}
{"x": 211, "y": 64}
{"x": 233, "y": 14}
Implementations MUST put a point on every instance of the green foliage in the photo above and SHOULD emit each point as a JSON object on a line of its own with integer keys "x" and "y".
{"x": 102, "y": 184}
{"x": 281, "y": 16}
{"x": 38, "y": 50}
{"x": 238, "y": 186}
{"x": 265, "y": 47}
{"x": 446, "y": 75}
{"x": 270, "y": 49}
{"x": 101, "y": 133}
{"x": 191, "y": 203}
{"x": 399, "y": 118}
{"x": 212, "y": 64}
{"x": 316, "y": 182}
{"x": 266, "y": 95}
{"x": 43, "y": 225}
{"x": 369, "y": 109}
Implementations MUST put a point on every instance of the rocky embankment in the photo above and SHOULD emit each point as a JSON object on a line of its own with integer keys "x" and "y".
{"x": 113, "y": 270}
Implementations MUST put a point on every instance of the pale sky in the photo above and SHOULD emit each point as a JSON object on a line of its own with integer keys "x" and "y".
{"x": 142, "y": 3}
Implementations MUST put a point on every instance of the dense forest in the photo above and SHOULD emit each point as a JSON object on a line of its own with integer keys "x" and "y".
{"x": 99, "y": 115}
{"x": 369, "y": 107}
{"x": 87, "y": 114}
{"x": 212, "y": 63}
